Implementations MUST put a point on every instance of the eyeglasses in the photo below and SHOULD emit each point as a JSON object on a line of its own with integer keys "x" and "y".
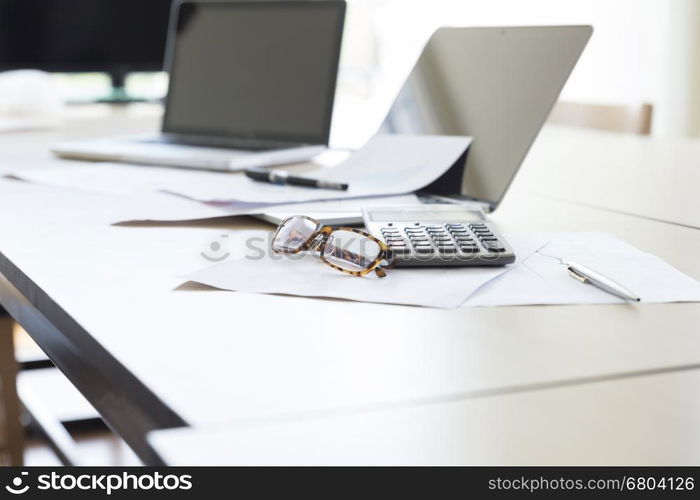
{"x": 346, "y": 249}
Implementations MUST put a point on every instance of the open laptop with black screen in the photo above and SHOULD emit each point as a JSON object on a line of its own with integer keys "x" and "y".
{"x": 251, "y": 84}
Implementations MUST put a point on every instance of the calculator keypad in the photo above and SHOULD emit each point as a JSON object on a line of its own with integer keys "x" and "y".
{"x": 455, "y": 241}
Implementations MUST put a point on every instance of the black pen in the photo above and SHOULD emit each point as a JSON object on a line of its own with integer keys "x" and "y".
{"x": 282, "y": 177}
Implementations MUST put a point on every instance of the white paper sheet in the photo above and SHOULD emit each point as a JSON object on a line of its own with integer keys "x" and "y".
{"x": 262, "y": 272}
{"x": 536, "y": 278}
{"x": 146, "y": 203}
{"x": 387, "y": 165}
{"x": 160, "y": 207}
{"x": 542, "y": 279}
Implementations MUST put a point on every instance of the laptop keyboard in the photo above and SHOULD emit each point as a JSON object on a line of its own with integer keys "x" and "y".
{"x": 210, "y": 142}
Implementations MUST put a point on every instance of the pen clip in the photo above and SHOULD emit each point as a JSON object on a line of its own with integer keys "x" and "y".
{"x": 577, "y": 276}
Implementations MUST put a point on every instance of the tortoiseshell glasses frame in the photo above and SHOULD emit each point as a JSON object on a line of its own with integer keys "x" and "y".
{"x": 319, "y": 236}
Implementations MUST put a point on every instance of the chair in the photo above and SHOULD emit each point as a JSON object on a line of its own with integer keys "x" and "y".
{"x": 629, "y": 119}
{"x": 11, "y": 430}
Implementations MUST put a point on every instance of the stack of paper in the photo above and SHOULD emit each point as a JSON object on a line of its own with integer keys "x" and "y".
{"x": 387, "y": 165}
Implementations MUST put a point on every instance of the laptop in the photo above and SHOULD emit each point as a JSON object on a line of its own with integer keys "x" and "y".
{"x": 497, "y": 85}
{"x": 251, "y": 84}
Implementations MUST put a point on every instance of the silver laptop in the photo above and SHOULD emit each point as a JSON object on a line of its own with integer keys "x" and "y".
{"x": 251, "y": 84}
{"x": 497, "y": 85}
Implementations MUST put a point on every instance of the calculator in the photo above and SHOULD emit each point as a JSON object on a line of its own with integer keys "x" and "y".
{"x": 438, "y": 235}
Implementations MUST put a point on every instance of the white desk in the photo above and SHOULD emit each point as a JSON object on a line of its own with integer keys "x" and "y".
{"x": 635, "y": 421}
{"x": 147, "y": 356}
{"x": 652, "y": 177}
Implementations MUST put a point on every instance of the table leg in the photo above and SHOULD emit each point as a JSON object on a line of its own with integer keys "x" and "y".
{"x": 11, "y": 431}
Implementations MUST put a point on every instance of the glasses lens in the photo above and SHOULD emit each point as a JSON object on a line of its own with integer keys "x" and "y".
{"x": 351, "y": 251}
{"x": 294, "y": 234}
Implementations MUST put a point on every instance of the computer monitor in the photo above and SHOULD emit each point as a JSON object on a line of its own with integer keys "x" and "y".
{"x": 68, "y": 36}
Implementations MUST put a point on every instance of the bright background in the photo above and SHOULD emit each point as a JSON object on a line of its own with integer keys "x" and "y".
{"x": 641, "y": 51}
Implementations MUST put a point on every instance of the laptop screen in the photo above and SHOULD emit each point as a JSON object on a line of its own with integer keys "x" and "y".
{"x": 254, "y": 72}
{"x": 496, "y": 85}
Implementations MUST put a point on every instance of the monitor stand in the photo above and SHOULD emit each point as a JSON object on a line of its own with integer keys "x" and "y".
{"x": 119, "y": 95}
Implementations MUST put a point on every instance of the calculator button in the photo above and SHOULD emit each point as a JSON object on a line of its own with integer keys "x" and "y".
{"x": 422, "y": 249}
{"x": 415, "y": 231}
{"x": 469, "y": 249}
{"x": 446, "y": 249}
{"x": 494, "y": 246}
{"x": 403, "y": 250}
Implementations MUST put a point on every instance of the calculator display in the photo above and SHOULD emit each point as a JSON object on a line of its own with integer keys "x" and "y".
{"x": 419, "y": 215}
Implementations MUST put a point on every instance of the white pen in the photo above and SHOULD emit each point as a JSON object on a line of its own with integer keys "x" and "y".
{"x": 587, "y": 275}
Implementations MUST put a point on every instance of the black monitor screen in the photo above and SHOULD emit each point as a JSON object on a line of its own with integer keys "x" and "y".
{"x": 83, "y": 35}
{"x": 255, "y": 70}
